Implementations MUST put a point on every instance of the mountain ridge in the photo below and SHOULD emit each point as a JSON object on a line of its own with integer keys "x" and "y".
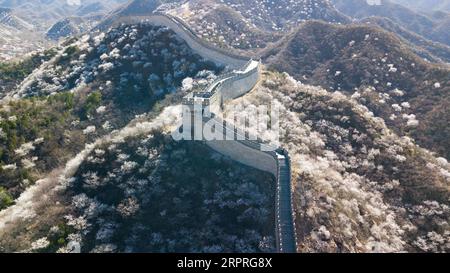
{"x": 354, "y": 58}
{"x": 422, "y": 24}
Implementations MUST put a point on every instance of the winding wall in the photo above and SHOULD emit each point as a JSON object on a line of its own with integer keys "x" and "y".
{"x": 276, "y": 162}
{"x": 199, "y": 46}
{"x": 248, "y": 152}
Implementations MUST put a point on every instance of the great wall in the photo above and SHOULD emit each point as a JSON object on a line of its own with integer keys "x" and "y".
{"x": 207, "y": 51}
{"x": 242, "y": 79}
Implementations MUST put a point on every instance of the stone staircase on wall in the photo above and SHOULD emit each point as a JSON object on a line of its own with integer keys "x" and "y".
{"x": 285, "y": 221}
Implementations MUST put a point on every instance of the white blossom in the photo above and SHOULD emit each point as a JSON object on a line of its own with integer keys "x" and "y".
{"x": 89, "y": 130}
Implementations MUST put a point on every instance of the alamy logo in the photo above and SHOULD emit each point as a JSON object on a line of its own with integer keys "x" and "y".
{"x": 254, "y": 126}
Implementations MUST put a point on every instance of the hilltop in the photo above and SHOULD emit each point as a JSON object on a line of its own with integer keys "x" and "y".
{"x": 361, "y": 60}
{"x": 285, "y": 14}
{"x": 427, "y": 49}
{"x": 427, "y": 26}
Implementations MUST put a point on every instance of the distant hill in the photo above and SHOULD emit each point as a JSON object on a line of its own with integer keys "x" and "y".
{"x": 17, "y": 35}
{"x": 274, "y": 15}
{"x": 132, "y": 8}
{"x": 425, "y": 48}
{"x": 24, "y": 23}
{"x": 9, "y": 18}
{"x": 67, "y": 27}
{"x": 44, "y": 13}
{"x": 362, "y": 58}
{"x": 426, "y": 26}
{"x": 90, "y": 9}
{"x": 139, "y": 7}
{"x": 426, "y": 5}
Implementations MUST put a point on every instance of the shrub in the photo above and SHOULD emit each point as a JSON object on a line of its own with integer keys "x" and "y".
{"x": 6, "y": 199}
{"x": 92, "y": 102}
